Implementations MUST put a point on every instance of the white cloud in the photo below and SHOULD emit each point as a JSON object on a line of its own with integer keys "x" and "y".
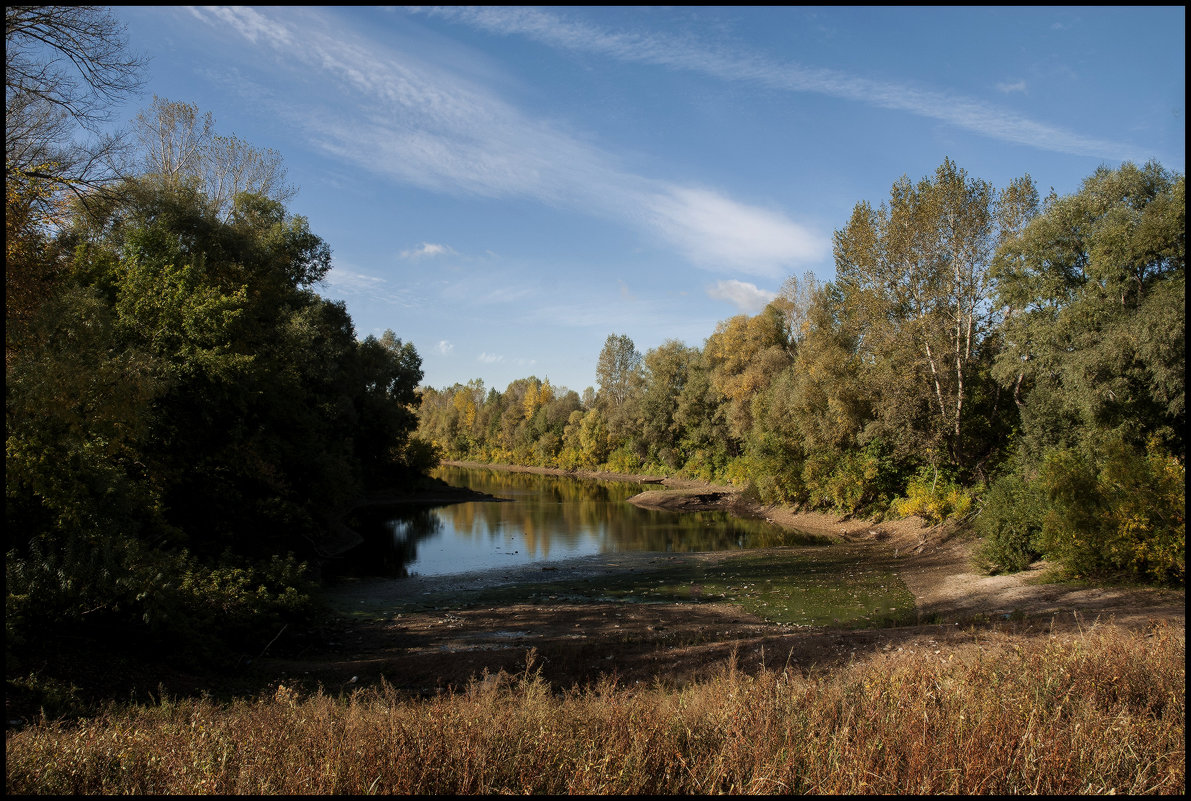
{"x": 490, "y": 358}
{"x": 422, "y": 125}
{"x": 1007, "y": 88}
{"x": 744, "y": 296}
{"x": 428, "y": 250}
{"x": 445, "y": 346}
{"x": 685, "y": 54}
{"x": 716, "y": 231}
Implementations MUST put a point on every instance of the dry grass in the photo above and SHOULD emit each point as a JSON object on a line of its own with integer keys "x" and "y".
{"x": 1093, "y": 712}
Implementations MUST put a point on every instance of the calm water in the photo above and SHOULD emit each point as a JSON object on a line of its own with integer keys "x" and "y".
{"x": 547, "y": 518}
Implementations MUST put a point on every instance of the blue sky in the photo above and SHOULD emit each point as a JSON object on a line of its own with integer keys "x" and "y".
{"x": 507, "y": 187}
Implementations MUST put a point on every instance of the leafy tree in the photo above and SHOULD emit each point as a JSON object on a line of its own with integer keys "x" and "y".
{"x": 1097, "y": 287}
{"x": 915, "y": 278}
{"x": 666, "y": 372}
{"x": 796, "y": 300}
{"x": 744, "y": 354}
{"x": 619, "y": 372}
{"x": 706, "y": 445}
{"x": 1093, "y": 351}
{"x": 31, "y": 264}
{"x": 187, "y": 408}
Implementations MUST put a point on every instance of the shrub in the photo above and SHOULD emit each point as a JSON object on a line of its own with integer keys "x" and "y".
{"x": 120, "y": 592}
{"x": 934, "y": 497}
{"x": 855, "y": 481}
{"x": 243, "y": 601}
{"x": 1116, "y": 509}
{"x": 623, "y": 460}
{"x": 1010, "y": 523}
{"x": 704, "y": 464}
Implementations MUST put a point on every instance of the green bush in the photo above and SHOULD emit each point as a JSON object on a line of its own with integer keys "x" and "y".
{"x": 1010, "y": 522}
{"x": 704, "y": 464}
{"x": 1115, "y": 509}
{"x": 852, "y": 482}
{"x": 243, "y": 601}
{"x": 623, "y": 460}
{"x": 118, "y": 591}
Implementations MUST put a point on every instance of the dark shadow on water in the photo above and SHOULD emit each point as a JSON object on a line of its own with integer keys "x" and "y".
{"x": 391, "y": 536}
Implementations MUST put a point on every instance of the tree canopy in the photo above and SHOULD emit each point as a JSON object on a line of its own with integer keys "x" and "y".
{"x": 188, "y": 422}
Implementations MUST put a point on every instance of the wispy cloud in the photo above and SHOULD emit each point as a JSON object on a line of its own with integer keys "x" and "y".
{"x": 444, "y": 347}
{"x": 498, "y": 358}
{"x": 428, "y": 250}
{"x": 1008, "y": 88}
{"x": 686, "y": 54}
{"x": 347, "y": 283}
{"x": 718, "y": 231}
{"x": 744, "y": 296}
{"x": 423, "y": 125}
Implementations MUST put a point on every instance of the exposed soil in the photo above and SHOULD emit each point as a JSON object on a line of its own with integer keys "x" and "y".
{"x": 428, "y": 651}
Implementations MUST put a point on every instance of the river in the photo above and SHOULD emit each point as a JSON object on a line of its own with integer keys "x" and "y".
{"x": 543, "y": 519}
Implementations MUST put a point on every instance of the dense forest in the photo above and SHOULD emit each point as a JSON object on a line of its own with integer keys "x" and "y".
{"x": 187, "y": 420}
{"x": 982, "y": 354}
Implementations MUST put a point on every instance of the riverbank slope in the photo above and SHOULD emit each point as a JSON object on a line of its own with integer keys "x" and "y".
{"x": 937, "y": 563}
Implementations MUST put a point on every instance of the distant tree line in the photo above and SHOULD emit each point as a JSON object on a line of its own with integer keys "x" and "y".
{"x": 982, "y": 354}
{"x": 187, "y": 420}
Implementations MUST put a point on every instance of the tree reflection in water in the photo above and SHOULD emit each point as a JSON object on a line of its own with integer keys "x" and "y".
{"x": 391, "y": 536}
{"x": 545, "y": 518}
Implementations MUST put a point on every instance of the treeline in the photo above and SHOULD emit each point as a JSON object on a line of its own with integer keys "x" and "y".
{"x": 982, "y": 353}
{"x": 187, "y": 420}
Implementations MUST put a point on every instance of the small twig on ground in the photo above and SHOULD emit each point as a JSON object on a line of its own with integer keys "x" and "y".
{"x": 270, "y": 645}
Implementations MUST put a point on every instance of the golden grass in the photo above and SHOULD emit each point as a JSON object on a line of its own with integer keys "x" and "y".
{"x": 1098, "y": 711}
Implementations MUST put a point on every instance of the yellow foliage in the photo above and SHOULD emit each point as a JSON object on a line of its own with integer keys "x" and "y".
{"x": 933, "y": 499}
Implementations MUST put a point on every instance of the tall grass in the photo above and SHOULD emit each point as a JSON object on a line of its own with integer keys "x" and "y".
{"x": 1092, "y": 712}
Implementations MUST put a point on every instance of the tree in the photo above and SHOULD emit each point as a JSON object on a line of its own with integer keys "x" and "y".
{"x": 178, "y": 145}
{"x": 915, "y": 277}
{"x": 1097, "y": 287}
{"x": 619, "y": 374}
{"x": 618, "y": 369}
{"x": 666, "y": 371}
{"x": 744, "y": 354}
{"x": 65, "y": 68}
{"x": 797, "y": 297}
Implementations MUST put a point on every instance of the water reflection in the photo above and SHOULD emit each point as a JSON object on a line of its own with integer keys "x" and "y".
{"x": 547, "y": 518}
{"x": 391, "y": 537}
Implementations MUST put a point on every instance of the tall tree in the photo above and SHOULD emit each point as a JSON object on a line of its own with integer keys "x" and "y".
{"x": 744, "y": 355}
{"x": 915, "y": 276}
{"x": 65, "y": 69}
{"x": 620, "y": 376}
{"x": 179, "y": 144}
{"x": 618, "y": 369}
{"x": 666, "y": 371}
{"x": 1097, "y": 285}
